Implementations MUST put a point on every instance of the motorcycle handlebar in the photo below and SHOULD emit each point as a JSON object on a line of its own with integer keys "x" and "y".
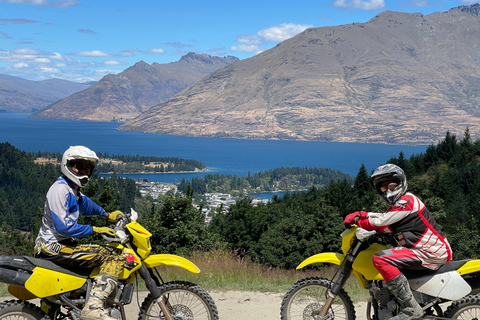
{"x": 119, "y": 230}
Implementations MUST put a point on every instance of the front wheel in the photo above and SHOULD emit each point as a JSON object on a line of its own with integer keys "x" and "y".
{"x": 465, "y": 308}
{"x": 186, "y": 301}
{"x": 305, "y": 299}
{"x": 16, "y": 309}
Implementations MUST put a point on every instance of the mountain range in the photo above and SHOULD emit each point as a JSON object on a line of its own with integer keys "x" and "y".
{"x": 398, "y": 78}
{"x": 123, "y": 96}
{"x": 24, "y": 96}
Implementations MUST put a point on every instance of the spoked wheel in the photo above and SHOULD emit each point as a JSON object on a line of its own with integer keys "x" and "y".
{"x": 186, "y": 301}
{"x": 20, "y": 310}
{"x": 465, "y": 308}
{"x": 305, "y": 299}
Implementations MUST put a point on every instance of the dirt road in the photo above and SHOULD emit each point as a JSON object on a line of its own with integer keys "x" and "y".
{"x": 237, "y": 305}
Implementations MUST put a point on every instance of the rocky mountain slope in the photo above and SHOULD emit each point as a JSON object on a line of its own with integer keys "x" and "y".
{"x": 21, "y": 95}
{"x": 398, "y": 78}
{"x": 125, "y": 95}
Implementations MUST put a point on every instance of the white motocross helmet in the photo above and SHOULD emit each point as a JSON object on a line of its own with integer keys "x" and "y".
{"x": 390, "y": 172}
{"x": 74, "y": 155}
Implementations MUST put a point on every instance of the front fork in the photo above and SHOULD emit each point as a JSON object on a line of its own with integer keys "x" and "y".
{"x": 345, "y": 272}
{"x": 152, "y": 287}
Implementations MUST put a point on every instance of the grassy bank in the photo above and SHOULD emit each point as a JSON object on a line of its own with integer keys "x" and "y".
{"x": 222, "y": 270}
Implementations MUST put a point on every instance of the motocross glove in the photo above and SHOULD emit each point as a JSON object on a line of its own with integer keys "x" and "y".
{"x": 104, "y": 230}
{"x": 351, "y": 219}
{"x": 115, "y": 216}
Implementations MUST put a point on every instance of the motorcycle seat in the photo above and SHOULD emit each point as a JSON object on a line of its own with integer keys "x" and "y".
{"x": 71, "y": 270}
{"x": 452, "y": 265}
{"x": 447, "y": 267}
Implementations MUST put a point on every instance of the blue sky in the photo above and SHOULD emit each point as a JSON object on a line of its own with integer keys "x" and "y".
{"x": 83, "y": 40}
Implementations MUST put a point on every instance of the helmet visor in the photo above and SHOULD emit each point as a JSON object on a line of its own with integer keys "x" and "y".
{"x": 388, "y": 185}
{"x": 82, "y": 167}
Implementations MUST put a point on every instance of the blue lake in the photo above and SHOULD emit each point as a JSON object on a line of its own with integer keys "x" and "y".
{"x": 220, "y": 155}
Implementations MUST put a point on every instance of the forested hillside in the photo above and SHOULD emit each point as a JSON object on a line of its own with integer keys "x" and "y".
{"x": 279, "y": 179}
{"x": 116, "y": 163}
{"x": 23, "y": 185}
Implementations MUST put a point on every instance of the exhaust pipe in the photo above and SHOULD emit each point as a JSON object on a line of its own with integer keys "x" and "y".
{"x": 13, "y": 277}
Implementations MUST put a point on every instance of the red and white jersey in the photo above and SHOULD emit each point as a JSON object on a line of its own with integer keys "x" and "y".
{"x": 416, "y": 229}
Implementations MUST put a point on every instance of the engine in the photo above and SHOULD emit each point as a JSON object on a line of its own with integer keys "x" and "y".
{"x": 387, "y": 307}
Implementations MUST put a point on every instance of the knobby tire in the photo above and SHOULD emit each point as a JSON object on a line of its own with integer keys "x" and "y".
{"x": 187, "y": 300}
{"x": 305, "y": 299}
{"x": 465, "y": 308}
{"x": 17, "y": 309}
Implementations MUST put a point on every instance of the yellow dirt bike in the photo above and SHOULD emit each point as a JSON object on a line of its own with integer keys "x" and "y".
{"x": 455, "y": 284}
{"x": 63, "y": 290}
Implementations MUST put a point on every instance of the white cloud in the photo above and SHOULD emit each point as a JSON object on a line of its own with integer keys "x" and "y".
{"x": 248, "y": 39}
{"x": 42, "y": 60}
{"x": 283, "y": 31}
{"x": 253, "y": 43}
{"x": 246, "y": 48}
{"x": 157, "y": 51}
{"x": 112, "y": 62}
{"x": 132, "y": 52}
{"x": 21, "y": 55}
{"x": 469, "y": 1}
{"x": 94, "y": 53}
{"x": 56, "y": 56}
{"x": 360, "y": 4}
{"x": 127, "y": 53}
{"x": 34, "y": 64}
{"x": 20, "y": 65}
{"x": 49, "y": 70}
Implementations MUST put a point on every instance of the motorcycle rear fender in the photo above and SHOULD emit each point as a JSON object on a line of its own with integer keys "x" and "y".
{"x": 44, "y": 282}
{"x": 471, "y": 266}
{"x": 331, "y": 257}
{"x": 170, "y": 260}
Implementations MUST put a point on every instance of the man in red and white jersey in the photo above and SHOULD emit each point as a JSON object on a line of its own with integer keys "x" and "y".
{"x": 423, "y": 243}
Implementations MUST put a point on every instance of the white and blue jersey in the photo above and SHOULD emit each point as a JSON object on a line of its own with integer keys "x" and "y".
{"x": 63, "y": 206}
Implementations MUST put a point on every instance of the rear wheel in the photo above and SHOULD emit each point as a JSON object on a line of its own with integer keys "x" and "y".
{"x": 305, "y": 299}
{"x": 20, "y": 310}
{"x": 186, "y": 301}
{"x": 465, "y": 308}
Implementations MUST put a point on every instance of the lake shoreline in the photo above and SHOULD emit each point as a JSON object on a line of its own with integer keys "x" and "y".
{"x": 224, "y": 156}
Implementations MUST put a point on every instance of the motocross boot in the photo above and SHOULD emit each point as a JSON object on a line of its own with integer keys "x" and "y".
{"x": 410, "y": 309}
{"x": 103, "y": 285}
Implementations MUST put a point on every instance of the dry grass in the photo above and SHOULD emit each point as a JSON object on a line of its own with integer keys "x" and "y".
{"x": 222, "y": 270}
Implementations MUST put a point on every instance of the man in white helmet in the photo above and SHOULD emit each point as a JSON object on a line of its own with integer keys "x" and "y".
{"x": 56, "y": 239}
{"x": 423, "y": 244}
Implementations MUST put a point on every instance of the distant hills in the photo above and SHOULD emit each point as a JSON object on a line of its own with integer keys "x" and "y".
{"x": 126, "y": 95}
{"x": 398, "y": 78}
{"x": 25, "y": 96}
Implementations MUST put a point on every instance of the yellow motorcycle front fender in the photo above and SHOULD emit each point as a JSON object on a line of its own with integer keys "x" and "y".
{"x": 326, "y": 257}
{"x": 170, "y": 260}
{"x": 334, "y": 258}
